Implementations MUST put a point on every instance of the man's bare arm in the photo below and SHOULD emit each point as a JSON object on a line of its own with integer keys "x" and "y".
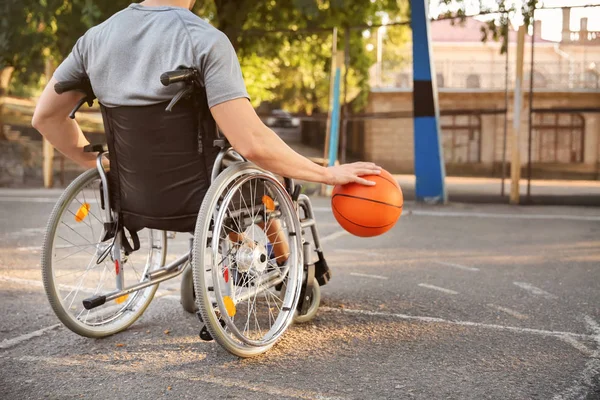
{"x": 51, "y": 119}
{"x": 259, "y": 144}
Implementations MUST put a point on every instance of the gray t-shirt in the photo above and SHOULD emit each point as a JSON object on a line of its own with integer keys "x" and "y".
{"x": 125, "y": 56}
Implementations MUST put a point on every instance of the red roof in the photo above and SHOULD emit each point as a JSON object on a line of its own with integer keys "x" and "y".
{"x": 469, "y": 31}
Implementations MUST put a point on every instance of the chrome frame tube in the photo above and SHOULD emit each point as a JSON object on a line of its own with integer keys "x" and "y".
{"x": 172, "y": 269}
{"x": 272, "y": 278}
{"x": 116, "y": 256}
{"x": 309, "y": 220}
{"x": 100, "y": 167}
{"x": 225, "y": 158}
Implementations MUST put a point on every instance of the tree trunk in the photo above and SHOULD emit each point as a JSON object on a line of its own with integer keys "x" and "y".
{"x": 5, "y": 75}
{"x": 48, "y": 150}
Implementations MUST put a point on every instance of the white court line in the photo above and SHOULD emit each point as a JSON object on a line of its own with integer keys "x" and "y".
{"x": 579, "y": 346}
{"x": 535, "y": 290}
{"x": 26, "y": 232}
{"x": 508, "y": 311}
{"x": 37, "y": 248}
{"x": 36, "y": 231}
{"x": 26, "y": 282}
{"x": 34, "y": 283}
{"x": 270, "y": 391}
{"x": 594, "y": 326}
{"x": 334, "y": 235}
{"x": 439, "y": 289}
{"x": 11, "y": 199}
{"x": 582, "y": 386}
{"x": 8, "y": 343}
{"x": 458, "y": 266}
{"x": 504, "y": 216}
{"x": 460, "y": 214}
{"x": 29, "y": 248}
{"x": 362, "y": 252}
{"x": 369, "y": 276}
{"x": 31, "y": 282}
{"x": 540, "y": 332}
{"x": 273, "y": 391}
{"x": 581, "y": 389}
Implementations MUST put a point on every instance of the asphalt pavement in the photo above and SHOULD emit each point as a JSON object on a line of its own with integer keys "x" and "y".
{"x": 455, "y": 302}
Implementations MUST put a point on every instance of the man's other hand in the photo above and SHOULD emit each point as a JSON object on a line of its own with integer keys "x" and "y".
{"x": 347, "y": 173}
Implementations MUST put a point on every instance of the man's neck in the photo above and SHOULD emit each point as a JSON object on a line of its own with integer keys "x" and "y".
{"x": 168, "y": 3}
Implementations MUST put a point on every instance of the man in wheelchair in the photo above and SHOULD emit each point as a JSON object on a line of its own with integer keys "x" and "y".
{"x": 161, "y": 132}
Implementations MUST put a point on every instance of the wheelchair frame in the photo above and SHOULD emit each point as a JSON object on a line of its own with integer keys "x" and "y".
{"x": 226, "y": 157}
{"x": 299, "y": 209}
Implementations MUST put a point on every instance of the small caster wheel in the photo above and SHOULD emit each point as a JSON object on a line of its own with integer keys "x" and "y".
{"x": 205, "y": 334}
{"x": 315, "y": 301}
{"x": 188, "y": 297}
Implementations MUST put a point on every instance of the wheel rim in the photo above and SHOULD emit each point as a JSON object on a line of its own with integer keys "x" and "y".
{"x": 239, "y": 269}
{"x": 81, "y": 265}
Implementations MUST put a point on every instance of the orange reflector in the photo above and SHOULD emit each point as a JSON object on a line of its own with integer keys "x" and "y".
{"x": 82, "y": 212}
{"x": 121, "y": 299}
{"x": 229, "y": 306}
{"x": 269, "y": 203}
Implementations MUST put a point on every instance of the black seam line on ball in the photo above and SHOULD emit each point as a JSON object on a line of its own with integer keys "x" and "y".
{"x": 363, "y": 226}
{"x": 393, "y": 183}
{"x": 362, "y": 198}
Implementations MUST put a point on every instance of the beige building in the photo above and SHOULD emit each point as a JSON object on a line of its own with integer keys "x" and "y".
{"x": 471, "y": 80}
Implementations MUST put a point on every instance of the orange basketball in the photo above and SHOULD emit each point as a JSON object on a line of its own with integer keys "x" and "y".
{"x": 368, "y": 210}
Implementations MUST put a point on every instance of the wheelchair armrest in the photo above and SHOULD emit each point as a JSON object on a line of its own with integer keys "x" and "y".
{"x": 95, "y": 148}
{"x": 223, "y": 143}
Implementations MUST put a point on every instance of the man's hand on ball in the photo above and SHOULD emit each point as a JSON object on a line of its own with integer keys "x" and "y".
{"x": 348, "y": 173}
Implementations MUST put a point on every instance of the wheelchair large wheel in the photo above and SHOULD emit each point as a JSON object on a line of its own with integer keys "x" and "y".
{"x": 76, "y": 264}
{"x": 235, "y": 271}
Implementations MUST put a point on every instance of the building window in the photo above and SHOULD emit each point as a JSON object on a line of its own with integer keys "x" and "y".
{"x": 439, "y": 77}
{"x": 473, "y": 81}
{"x": 591, "y": 79}
{"x": 539, "y": 80}
{"x": 461, "y": 136}
{"x": 558, "y": 138}
{"x": 403, "y": 80}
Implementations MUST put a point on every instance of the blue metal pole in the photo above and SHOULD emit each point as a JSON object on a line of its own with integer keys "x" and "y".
{"x": 335, "y": 120}
{"x": 429, "y": 161}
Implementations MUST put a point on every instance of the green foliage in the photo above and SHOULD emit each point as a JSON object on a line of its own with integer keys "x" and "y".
{"x": 22, "y": 33}
{"x": 292, "y": 38}
{"x": 284, "y": 45}
{"x": 260, "y": 76}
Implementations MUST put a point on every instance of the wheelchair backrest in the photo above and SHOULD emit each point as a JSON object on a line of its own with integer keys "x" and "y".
{"x": 160, "y": 163}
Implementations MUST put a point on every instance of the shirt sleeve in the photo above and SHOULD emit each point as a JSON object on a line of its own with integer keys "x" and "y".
{"x": 72, "y": 68}
{"x": 222, "y": 72}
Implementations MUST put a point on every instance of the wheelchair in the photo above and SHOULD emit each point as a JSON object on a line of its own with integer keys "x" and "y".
{"x": 245, "y": 295}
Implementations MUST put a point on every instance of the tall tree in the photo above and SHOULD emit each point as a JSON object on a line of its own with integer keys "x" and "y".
{"x": 289, "y": 43}
{"x": 22, "y": 40}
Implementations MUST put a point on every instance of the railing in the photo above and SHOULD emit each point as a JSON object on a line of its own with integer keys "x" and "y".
{"x": 491, "y": 76}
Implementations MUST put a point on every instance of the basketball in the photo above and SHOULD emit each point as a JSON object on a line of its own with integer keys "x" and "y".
{"x": 368, "y": 211}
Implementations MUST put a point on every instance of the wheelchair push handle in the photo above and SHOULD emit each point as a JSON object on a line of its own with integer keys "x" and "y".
{"x": 179, "y": 75}
{"x": 84, "y": 86}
